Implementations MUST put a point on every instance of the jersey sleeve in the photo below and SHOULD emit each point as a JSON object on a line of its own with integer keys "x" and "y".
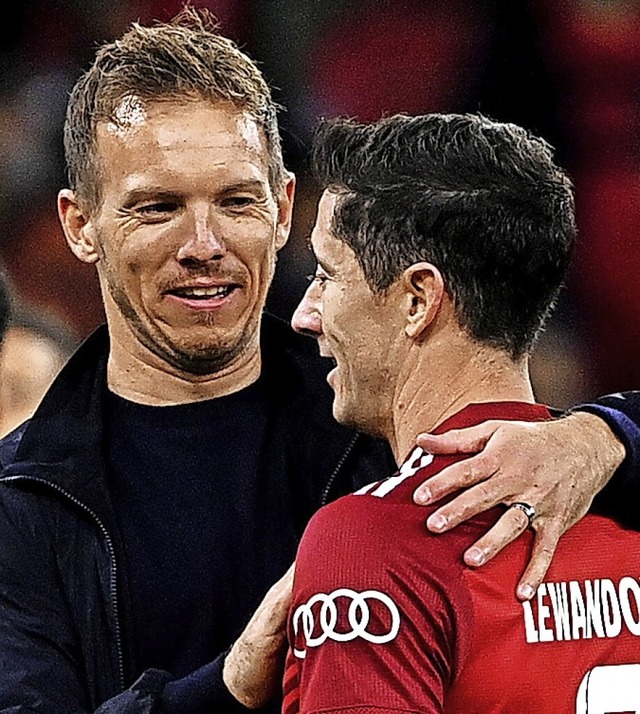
{"x": 377, "y": 613}
{"x": 620, "y": 499}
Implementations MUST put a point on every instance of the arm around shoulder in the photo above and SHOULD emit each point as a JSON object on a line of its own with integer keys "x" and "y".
{"x": 615, "y": 419}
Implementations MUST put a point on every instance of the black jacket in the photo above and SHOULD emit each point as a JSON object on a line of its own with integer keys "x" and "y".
{"x": 63, "y": 600}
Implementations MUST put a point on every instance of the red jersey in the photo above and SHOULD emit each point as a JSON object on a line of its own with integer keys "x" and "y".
{"x": 387, "y": 618}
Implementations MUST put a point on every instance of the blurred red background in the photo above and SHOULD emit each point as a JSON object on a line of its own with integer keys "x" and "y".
{"x": 569, "y": 70}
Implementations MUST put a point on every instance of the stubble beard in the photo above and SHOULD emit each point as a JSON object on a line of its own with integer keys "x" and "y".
{"x": 193, "y": 359}
{"x": 198, "y": 360}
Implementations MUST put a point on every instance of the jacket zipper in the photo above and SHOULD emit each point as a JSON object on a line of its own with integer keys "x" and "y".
{"x": 112, "y": 555}
{"x": 327, "y": 489}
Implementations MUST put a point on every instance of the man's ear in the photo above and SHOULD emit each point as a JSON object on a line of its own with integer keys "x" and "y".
{"x": 76, "y": 227}
{"x": 424, "y": 291}
{"x": 285, "y": 211}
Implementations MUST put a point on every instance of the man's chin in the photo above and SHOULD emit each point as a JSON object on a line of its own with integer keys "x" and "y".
{"x": 202, "y": 358}
{"x": 201, "y": 364}
{"x": 343, "y": 415}
{"x": 206, "y": 359}
{"x": 208, "y": 348}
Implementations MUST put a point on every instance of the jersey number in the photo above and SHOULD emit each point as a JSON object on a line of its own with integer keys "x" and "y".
{"x": 610, "y": 689}
{"x": 418, "y": 460}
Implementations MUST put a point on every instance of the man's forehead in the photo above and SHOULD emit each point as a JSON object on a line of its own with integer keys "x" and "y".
{"x": 322, "y": 232}
{"x": 129, "y": 113}
{"x": 330, "y": 252}
{"x": 326, "y": 207}
{"x": 217, "y": 124}
{"x": 322, "y": 241}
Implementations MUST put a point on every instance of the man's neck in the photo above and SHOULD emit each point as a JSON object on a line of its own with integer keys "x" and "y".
{"x": 436, "y": 386}
{"x": 146, "y": 379}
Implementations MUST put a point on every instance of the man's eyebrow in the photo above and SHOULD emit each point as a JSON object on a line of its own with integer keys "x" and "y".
{"x": 246, "y": 185}
{"x": 161, "y": 193}
{"x": 324, "y": 266}
{"x": 135, "y": 195}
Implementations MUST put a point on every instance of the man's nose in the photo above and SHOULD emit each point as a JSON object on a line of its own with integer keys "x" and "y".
{"x": 307, "y": 318}
{"x": 204, "y": 244}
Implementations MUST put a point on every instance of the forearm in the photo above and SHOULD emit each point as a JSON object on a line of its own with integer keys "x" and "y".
{"x": 254, "y": 666}
{"x": 251, "y": 669}
{"x": 621, "y": 414}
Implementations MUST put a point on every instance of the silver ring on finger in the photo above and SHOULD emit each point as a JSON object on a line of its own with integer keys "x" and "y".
{"x": 528, "y": 510}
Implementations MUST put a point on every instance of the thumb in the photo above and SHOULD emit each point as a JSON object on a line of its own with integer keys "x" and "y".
{"x": 458, "y": 441}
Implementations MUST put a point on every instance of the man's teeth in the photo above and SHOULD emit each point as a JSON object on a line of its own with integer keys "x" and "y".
{"x": 212, "y": 292}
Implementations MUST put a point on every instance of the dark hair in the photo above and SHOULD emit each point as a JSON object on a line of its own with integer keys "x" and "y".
{"x": 483, "y": 201}
{"x": 182, "y": 60}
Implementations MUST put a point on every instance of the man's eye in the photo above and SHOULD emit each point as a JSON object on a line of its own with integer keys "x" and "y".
{"x": 238, "y": 201}
{"x": 156, "y": 209}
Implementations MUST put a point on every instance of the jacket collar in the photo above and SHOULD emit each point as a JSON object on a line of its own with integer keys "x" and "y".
{"x": 63, "y": 443}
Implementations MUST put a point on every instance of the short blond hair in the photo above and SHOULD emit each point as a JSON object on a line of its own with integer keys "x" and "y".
{"x": 185, "y": 59}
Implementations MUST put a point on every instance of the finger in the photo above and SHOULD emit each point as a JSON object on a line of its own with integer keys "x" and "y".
{"x": 458, "y": 441}
{"x": 509, "y": 526}
{"x": 461, "y": 474}
{"x": 469, "y": 503}
{"x": 544, "y": 547}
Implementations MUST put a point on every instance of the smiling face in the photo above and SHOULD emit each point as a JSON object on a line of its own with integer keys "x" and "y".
{"x": 186, "y": 233}
{"x": 361, "y": 331}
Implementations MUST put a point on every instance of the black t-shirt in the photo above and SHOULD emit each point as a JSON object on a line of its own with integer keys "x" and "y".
{"x": 207, "y": 526}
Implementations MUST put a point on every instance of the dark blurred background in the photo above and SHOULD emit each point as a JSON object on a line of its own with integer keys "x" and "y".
{"x": 568, "y": 70}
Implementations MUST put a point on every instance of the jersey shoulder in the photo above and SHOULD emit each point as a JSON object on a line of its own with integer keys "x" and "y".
{"x": 374, "y": 510}
{"x": 418, "y": 467}
{"x": 386, "y": 529}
